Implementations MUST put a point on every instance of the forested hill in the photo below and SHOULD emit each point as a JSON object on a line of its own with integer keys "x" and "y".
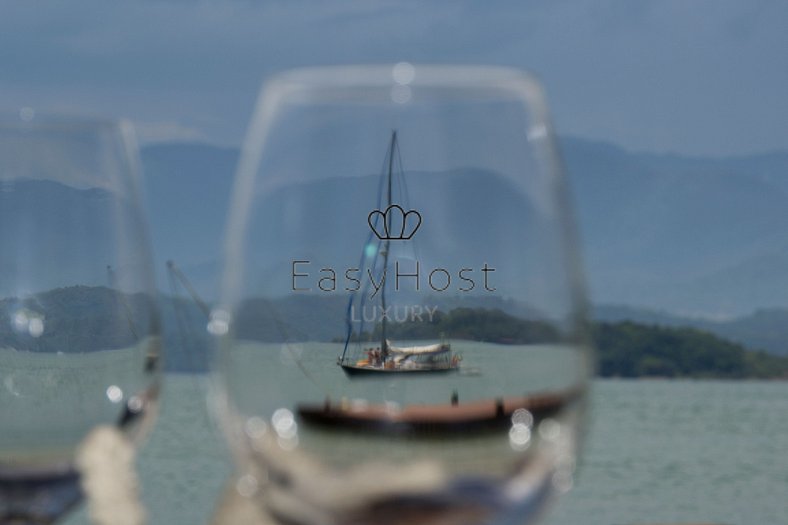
{"x": 627, "y": 349}
{"x": 624, "y": 349}
{"x": 78, "y": 320}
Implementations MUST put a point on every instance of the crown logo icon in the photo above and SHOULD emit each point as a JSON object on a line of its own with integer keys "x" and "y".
{"x": 396, "y": 224}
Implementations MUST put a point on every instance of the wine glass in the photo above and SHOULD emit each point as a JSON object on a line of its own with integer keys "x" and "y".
{"x": 79, "y": 329}
{"x": 402, "y": 330}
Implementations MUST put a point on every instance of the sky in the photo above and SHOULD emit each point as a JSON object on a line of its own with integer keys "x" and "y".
{"x": 694, "y": 77}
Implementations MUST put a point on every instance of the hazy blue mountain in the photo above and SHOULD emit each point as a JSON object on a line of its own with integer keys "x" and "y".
{"x": 188, "y": 192}
{"x": 682, "y": 234}
{"x": 764, "y": 329}
{"x": 51, "y": 232}
{"x": 681, "y": 241}
{"x": 687, "y": 235}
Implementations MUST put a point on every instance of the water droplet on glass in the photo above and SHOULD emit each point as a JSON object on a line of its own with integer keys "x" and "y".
{"x": 519, "y": 436}
{"x": 114, "y": 394}
{"x": 35, "y": 327}
{"x": 401, "y": 94}
{"x": 549, "y": 429}
{"x": 246, "y": 486}
{"x": 219, "y": 323}
{"x": 522, "y": 416}
{"x": 403, "y": 73}
{"x": 284, "y": 423}
{"x": 255, "y": 427}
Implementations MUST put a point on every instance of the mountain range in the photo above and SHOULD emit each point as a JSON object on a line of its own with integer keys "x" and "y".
{"x": 667, "y": 240}
{"x": 696, "y": 237}
{"x": 688, "y": 235}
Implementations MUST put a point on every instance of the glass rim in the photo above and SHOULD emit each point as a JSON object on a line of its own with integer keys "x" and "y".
{"x": 405, "y": 73}
{"x": 29, "y": 118}
{"x": 318, "y": 83}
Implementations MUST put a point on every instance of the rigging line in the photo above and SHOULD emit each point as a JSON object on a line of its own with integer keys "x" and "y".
{"x": 362, "y": 301}
{"x": 391, "y": 165}
{"x": 403, "y": 185}
{"x": 405, "y": 197}
{"x": 280, "y": 325}
{"x": 184, "y": 333}
{"x": 189, "y": 288}
{"x": 387, "y": 249}
{"x": 176, "y": 272}
{"x": 153, "y": 355}
{"x": 383, "y": 343}
{"x": 363, "y": 293}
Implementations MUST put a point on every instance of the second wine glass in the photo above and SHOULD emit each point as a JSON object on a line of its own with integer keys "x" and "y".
{"x": 402, "y": 329}
{"x": 79, "y": 326}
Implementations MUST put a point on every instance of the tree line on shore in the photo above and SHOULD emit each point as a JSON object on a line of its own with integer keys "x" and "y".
{"x": 84, "y": 319}
{"x": 623, "y": 349}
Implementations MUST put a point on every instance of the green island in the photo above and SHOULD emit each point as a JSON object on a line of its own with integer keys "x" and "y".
{"x": 627, "y": 349}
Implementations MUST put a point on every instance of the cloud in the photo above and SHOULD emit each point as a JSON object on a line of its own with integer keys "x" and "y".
{"x": 697, "y": 77}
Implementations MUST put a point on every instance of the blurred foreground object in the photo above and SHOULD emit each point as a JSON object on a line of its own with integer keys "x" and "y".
{"x": 79, "y": 320}
{"x": 109, "y": 479}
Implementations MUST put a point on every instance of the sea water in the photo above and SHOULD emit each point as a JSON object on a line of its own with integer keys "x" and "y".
{"x": 354, "y": 472}
{"x": 50, "y": 401}
{"x": 656, "y": 451}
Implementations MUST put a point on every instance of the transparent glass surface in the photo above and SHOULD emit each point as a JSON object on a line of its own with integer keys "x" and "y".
{"x": 79, "y": 332}
{"x": 402, "y": 335}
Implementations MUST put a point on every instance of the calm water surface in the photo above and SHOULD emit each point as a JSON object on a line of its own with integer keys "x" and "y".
{"x": 657, "y": 451}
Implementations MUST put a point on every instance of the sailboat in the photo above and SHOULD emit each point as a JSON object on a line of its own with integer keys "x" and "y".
{"x": 383, "y": 358}
{"x": 395, "y": 224}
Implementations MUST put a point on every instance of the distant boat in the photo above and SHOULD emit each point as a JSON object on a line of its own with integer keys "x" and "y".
{"x": 387, "y": 358}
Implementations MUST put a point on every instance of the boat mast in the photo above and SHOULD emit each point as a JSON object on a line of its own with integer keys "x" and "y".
{"x": 384, "y": 344}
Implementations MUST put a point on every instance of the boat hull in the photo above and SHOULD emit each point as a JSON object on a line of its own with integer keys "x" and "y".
{"x": 449, "y": 419}
{"x": 355, "y": 370}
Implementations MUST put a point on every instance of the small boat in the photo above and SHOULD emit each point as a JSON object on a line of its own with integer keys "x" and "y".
{"x": 435, "y": 419}
{"x": 393, "y": 224}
